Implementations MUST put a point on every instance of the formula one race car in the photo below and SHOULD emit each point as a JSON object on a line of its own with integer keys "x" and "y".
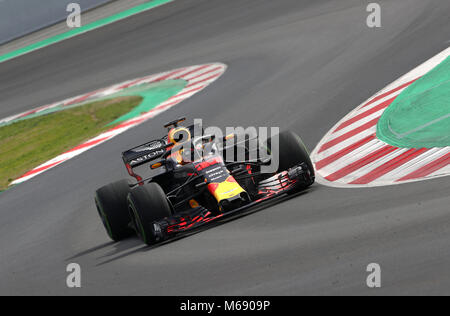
{"x": 195, "y": 179}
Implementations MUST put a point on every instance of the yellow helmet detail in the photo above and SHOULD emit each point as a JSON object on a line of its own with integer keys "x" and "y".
{"x": 179, "y": 135}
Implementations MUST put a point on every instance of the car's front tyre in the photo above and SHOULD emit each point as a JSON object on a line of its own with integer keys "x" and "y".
{"x": 292, "y": 152}
{"x": 147, "y": 204}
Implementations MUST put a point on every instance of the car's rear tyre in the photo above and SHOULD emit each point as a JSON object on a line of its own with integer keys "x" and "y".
{"x": 112, "y": 207}
{"x": 147, "y": 204}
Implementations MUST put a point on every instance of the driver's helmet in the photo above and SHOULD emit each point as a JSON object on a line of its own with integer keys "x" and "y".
{"x": 179, "y": 135}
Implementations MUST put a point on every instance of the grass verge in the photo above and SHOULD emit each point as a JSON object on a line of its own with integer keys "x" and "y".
{"x": 27, "y": 144}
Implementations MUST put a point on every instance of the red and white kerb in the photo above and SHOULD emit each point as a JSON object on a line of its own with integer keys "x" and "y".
{"x": 351, "y": 155}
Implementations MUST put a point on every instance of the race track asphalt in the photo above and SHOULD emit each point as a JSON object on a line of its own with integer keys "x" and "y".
{"x": 297, "y": 64}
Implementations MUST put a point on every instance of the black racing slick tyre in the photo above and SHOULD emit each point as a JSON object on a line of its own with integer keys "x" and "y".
{"x": 147, "y": 204}
{"x": 112, "y": 206}
{"x": 293, "y": 152}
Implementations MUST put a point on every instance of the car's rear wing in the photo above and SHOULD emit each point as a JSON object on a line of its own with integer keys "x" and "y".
{"x": 144, "y": 153}
{"x": 154, "y": 152}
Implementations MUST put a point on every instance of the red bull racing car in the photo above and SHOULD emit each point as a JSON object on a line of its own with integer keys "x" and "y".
{"x": 188, "y": 179}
